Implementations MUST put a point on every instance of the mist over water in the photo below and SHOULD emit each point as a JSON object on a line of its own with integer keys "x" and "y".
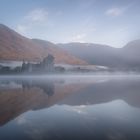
{"x": 70, "y": 107}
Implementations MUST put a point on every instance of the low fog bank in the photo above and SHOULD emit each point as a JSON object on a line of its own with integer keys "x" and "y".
{"x": 71, "y": 75}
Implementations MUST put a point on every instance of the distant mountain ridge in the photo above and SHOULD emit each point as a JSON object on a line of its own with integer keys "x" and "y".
{"x": 97, "y": 54}
{"x": 92, "y": 53}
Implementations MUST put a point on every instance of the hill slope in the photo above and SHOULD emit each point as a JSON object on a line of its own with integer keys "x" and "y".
{"x": 97, "y": 54}
{"x": 93, "y": 53}
{"x": 14, "y": 46}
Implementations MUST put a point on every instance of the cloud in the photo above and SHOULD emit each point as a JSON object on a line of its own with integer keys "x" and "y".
{"x": 32, "y": 20}
{"x": 37, "y": 15}
{"x": 82, "y": 109}
{"x": 79, "y": 37}
{"x": 85, "y": 28}
{"x": 114, "y": 12}
{"x": 21, "y": 29}
{"x": 21, "y": 120}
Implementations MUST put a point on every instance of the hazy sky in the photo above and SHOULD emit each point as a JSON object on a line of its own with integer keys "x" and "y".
{"x": 112, "y": 22}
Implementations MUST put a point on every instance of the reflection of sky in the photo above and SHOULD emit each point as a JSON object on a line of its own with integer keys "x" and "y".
{"x": 61, "y": 120}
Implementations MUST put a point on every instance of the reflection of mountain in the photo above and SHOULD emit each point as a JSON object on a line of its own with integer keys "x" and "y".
{"x": 124, "y": 89}
{"x": 16, "y": 101}
{"x": 38, "y": 94}
{"x": 32, "y": 95}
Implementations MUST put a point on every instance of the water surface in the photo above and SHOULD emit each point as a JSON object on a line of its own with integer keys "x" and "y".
{"x": 70, "y": 108}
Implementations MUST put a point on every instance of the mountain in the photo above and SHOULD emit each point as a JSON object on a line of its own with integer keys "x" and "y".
{"x": 93, "y": 53}
{"x": 60, "y": 54}
{"x": 131, "y": 53}
{"x": 14, "y": 46}
{"x": 97, "y": 54}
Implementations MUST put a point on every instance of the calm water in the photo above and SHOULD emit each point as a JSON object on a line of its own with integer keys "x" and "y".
{"x": 70, "y": 108}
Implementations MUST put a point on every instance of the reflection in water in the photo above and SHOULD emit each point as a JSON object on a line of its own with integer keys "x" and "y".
{"x": 47, "y": 86}
{"x": 70, "y": 108}
{"x": 20, "y": 95}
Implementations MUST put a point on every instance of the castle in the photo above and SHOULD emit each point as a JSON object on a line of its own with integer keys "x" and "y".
{"x": 46, "y": 65}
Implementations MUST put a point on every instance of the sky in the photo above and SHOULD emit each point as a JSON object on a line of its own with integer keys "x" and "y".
{"x": 110, "y": 22}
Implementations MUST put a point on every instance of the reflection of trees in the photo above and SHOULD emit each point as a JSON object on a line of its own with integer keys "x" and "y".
{"x": 46, "y": 86}
{"x": 20, "y": 95}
